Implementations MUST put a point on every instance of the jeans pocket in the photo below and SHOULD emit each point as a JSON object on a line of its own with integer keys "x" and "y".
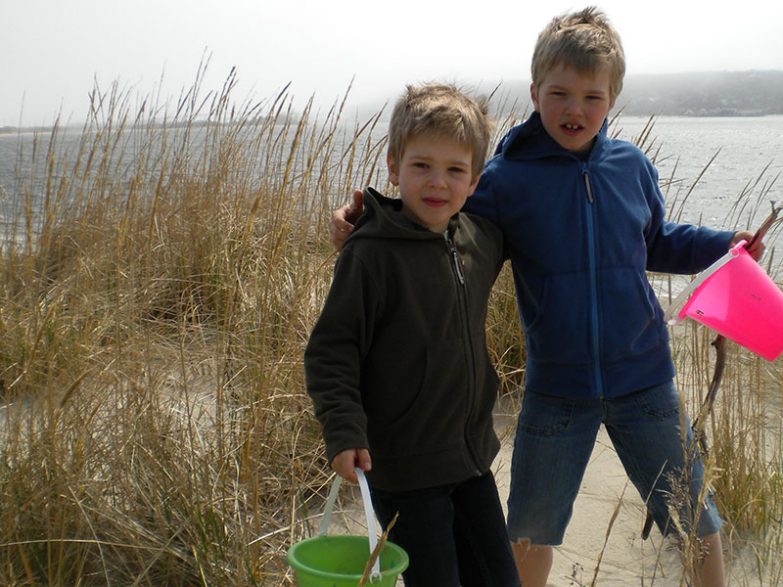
{"x": 545, "y": 416}
{"x": 661, "y": 401}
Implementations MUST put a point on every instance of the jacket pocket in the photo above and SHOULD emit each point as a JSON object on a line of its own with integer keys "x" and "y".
{"x": 560, "y": 330}
{"x": 419, "y": 406}
{"x": 631, "y": 317}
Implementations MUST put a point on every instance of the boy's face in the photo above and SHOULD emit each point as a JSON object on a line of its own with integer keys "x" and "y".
{"x": 573, "y": 105}
{"x": 435, "y": 177}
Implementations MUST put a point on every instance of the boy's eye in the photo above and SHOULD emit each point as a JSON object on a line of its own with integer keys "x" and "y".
{"x": 458, "y": 170}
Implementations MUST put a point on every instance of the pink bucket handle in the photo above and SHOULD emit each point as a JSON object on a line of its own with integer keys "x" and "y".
{"x": 735, "y": 250}
{"x": 672, "y": 315}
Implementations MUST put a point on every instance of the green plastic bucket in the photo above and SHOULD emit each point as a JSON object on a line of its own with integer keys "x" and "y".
{"x": 339, "y": 560}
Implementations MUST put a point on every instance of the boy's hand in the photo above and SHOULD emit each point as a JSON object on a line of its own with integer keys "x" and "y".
{"x": 756, "y": 250}
{"x": 343, "y": 220}
{"x": 346, "y": 461}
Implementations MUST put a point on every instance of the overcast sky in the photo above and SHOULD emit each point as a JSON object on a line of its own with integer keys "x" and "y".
{"x": 52, "y": 51}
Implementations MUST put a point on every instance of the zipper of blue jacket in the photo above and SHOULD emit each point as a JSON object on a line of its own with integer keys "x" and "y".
{"x": 456, "y": 264}
{"x": 591, "y": 255}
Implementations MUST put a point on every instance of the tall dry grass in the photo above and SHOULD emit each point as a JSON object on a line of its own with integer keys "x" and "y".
{"x": 157, "y": 286}
{"x": 744, "y": 428}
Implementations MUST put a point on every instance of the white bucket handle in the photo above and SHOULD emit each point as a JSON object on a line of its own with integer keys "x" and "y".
{"x": 375, "y": 575}
{"x": 671, "y": 315}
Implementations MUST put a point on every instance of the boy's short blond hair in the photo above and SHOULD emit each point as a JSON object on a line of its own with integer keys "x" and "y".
{"x": 441, "y": 110}
{"x": 584, "y": 41}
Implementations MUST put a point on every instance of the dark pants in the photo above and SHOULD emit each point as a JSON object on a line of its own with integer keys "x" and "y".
{"x": 454, "y": 534}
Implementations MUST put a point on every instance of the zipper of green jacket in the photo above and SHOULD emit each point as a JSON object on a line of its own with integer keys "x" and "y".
{"x": 591, "y": 257}
{"x": 456, "y": 264}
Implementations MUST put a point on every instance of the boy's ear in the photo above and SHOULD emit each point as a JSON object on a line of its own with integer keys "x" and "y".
{"x": 394, "y": 171}
{"x": 534, "y": 96}
{"x": 473, "y": 185}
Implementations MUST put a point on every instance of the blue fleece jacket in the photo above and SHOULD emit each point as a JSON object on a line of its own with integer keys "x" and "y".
{"x": 581, "y": 234}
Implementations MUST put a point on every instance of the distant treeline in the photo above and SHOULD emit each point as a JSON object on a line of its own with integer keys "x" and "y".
{"x": 739, "y": 93}
{"x": 727, "y": 93}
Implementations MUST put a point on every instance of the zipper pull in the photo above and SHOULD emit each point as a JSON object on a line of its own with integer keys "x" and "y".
{"x": 588, "y": 186}
{"x": 456, "y": 260}
{"x": 458, "y": 266}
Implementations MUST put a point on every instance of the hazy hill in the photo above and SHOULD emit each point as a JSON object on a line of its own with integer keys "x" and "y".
{"x": 730, "y": 93}
{"x": 742, "y": 93}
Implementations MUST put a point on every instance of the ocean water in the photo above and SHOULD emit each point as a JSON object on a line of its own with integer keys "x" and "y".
{"x": 723, "y": 162}
{"x": 721, "y": 172}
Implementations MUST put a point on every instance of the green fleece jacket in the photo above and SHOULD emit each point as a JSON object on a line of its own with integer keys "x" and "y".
{"x": 397, "y": 362}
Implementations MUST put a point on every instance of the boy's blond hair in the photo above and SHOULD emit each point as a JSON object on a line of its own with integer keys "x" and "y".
{"x": 584, "y": 41}
{"x": 441, "y": 110}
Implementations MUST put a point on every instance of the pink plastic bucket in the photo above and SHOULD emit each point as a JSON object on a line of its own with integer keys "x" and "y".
{"x": 737, "y": 299}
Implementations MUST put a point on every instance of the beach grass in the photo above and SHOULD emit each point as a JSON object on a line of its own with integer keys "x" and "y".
{"x": 159, "y": 278}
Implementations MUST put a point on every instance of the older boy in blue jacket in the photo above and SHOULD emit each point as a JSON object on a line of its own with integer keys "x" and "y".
{"x": 583, "y": 218}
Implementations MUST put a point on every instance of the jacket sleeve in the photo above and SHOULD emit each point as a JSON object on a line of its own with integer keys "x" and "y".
{"x": 335, "y": 351}
{"x": 484, "y": 202}
{"x": 679, "y": 248}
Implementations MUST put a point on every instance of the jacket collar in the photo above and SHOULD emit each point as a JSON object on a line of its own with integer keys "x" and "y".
{"x": 382, "y": 217}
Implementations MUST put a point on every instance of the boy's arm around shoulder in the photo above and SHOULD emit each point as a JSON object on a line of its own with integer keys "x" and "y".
{"x": 492, "y": 243}
{"x": 484, "y": 200}
{"x": 334, "y": 353}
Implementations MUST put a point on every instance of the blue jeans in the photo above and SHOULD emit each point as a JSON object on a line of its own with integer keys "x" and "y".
{"x": 454, "y": 534}
{"x": 554, "y": 440}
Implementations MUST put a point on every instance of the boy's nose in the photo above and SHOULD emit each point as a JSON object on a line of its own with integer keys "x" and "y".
{"x": 437, "y": 179}
{"x": 572, "y": 107}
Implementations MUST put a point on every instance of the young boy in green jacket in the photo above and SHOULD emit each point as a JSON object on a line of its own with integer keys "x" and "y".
{"x": 397, "y": 364}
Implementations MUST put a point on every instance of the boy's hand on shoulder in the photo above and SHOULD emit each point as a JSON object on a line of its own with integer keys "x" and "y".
{"x": 345, "y": 463}
{"x": 756, "y": 250}
{"x": 343, "y": 219}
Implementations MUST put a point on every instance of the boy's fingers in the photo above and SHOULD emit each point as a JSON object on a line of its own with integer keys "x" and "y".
{"x": 343, "y": 465}
{"x": 346, "y": 462}
{"x": 740, "y": 236}
{"x": 755, "y": 248}
{"x": 355, "y": 210}
{"x": 339, "y": 228}
{"x": 339, "y": 221}
{"x": 343, "y": 219}
{"x": 363, "y": 460}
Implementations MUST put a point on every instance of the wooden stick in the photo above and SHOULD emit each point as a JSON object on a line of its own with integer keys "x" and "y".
{"x": 377, "y": 551}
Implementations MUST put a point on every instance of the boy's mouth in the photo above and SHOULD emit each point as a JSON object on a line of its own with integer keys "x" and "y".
{"x": 435, "y": 202}
{"x": 571, "y": 128}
